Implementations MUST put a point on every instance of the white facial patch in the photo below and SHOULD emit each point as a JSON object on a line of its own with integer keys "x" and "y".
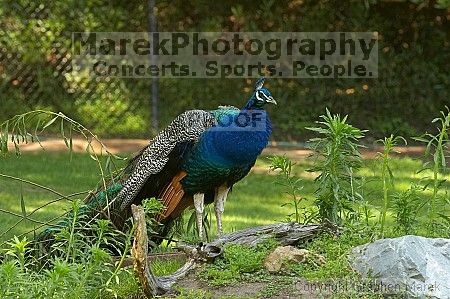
{"x": 260, "y": 95}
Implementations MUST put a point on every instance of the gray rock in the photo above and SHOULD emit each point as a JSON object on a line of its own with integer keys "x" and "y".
{"x": 418, "y": 266}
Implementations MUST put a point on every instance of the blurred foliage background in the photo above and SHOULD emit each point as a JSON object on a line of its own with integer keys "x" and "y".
{"x": 414, "y": 63}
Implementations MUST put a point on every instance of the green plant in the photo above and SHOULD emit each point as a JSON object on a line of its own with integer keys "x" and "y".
{"x": 191, "y": 231}
{"x": 218, "y": 275}
{"x": 406, "y": 207}
{"x": 11, "y": 276}
{"x": 237, "y": 261}
{"x": 118, "y": 266}
{"x": 436, "y": 146}
{"x": 72, "y": 280}
{"x": 152, "y": 207}
{"x": 386, "y": 173}
{"x": 336, "y": 157}
{"x": 80, "y": 264}
{"x": 165, "y": 267}
{"x": 18, "y": 248}
{"x": 71, "y": 230}
{"x": 291, "y": 183}
{"x": 244, "y": 260}
{"x": 28, "y": 127}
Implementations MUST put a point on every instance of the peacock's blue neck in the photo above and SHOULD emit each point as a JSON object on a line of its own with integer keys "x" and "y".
{"x": 238, "y": 138}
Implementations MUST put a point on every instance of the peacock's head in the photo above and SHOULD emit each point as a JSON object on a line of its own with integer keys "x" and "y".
{"x": 260, "y": 96}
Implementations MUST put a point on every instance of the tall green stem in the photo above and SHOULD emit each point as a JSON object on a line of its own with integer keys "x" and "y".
{"x": 388, "y": 146}
{"x": 385, "y": 197}
{"x": 436, "y": 167}
{"x": 72, "y": 232}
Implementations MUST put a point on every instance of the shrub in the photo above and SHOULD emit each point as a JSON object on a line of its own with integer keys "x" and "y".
{"x": 406, "y": 207}
{"x": 435, "y": 157}
{"x": 336, "y": 157}
{"x": 80, "y": 264}
{"x": 291, "y": 183}
{"x": 386, "y": 173}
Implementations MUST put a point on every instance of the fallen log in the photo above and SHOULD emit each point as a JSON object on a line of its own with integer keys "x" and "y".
{"x": 153, "y": 257}
{"x": 284, "y": 233}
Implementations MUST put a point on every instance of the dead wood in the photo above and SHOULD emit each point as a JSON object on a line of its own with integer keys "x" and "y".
{"x": 149, "y": 282}
{"x": 284, "y": 233}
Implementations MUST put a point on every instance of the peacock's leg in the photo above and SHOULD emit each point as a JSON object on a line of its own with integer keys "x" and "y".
{"x": 219, "y": 206}
{"x": 199, "y": 204}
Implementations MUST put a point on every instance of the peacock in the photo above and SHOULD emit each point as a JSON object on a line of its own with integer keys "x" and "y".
{"x": 192, "y": 162}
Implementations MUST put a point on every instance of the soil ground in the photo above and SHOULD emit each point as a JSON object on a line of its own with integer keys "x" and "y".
{"x": 273, "y": 286}
{"x": 126, "y": 146}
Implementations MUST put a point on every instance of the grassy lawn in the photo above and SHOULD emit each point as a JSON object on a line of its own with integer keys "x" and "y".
{"x": 256, "y": 200}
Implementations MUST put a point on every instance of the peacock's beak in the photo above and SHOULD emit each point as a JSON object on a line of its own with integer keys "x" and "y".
{"x": 271, "y": 100}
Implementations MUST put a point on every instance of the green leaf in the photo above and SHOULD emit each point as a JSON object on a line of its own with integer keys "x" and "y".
{"x": 50, "y": 122}
{"x": 71, "y": 141}
{"x": 391, "y": 176}
{"x": 441, "y": 182}
{"x": 443, "y": 162}
{"x": 22, "y": 203}
{"x": 39, "y": 142}
{"x": 90, "y": 152}
{"x": 17, "y": 149}
{"x": 191, "y": 222}
{"x": 24, "y": 136}
{"x": 63, "y": 133}
{"x": 420, "y": 139}
{"x": 435, "y": 119}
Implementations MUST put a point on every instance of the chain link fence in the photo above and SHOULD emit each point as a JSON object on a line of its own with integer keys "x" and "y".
{"x": 36, "y": 70}
{"x": 414, "y": 57}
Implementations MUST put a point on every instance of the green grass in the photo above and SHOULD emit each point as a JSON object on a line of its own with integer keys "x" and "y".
{"x": 256, "y": 200}
{"x": 53, "y": 170}
{"x": 237, "y": 261}
{"x": 245, "y": 264}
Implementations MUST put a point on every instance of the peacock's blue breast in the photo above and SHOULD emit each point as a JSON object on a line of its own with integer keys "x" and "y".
{"x": 226, "y": 152}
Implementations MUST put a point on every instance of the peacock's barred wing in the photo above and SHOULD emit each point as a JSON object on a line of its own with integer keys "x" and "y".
{"x": 188, "y": 126}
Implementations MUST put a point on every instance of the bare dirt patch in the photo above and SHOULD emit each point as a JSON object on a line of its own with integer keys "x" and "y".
{"x": 126, "y": 146}
{"x": 273, "y": 286}
{"x": 239, "y": 290}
